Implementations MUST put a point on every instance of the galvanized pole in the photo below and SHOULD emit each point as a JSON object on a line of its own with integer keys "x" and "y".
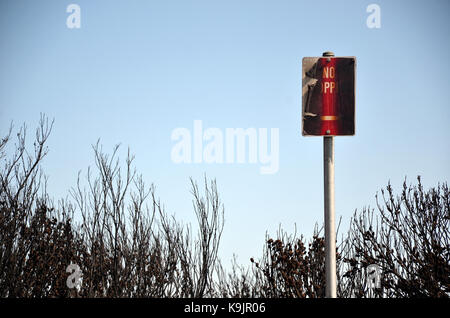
{"x": 330, "y": 232}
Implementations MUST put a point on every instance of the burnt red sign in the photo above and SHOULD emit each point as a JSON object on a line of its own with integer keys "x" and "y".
{"x": 328, "y": 96}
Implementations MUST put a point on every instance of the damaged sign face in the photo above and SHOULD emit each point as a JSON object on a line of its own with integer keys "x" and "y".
{"x": 328, "y": 96}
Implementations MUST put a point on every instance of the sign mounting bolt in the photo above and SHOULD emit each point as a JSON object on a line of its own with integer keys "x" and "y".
{"x": 328, "y": 54}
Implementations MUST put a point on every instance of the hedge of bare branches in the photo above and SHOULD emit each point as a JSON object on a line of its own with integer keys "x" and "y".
{"x": 116, "y": 230}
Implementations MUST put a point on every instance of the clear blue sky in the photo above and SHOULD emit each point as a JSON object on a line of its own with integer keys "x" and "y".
{"x": 136, "y": 70}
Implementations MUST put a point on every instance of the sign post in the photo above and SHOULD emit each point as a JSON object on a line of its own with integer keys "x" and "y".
{"x": 328, "y": 110}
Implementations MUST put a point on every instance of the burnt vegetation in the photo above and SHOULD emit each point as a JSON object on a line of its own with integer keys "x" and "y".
{"x": 115, "y": 228}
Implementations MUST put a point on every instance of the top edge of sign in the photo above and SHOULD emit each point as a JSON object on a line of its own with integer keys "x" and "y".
{"x": 329, "y": 57}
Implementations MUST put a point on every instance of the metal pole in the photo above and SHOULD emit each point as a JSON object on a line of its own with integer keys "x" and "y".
{"x": 330, "y": 232}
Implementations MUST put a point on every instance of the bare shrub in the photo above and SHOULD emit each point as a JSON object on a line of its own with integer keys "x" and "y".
{"x": 35, "y": 241}
{"x": 148, "y": 254}
{"x": 124, "y": 242}
{"x": 116, "y": 229}
{"x": 409, "y": 241}
{"x": 292, "y": 268}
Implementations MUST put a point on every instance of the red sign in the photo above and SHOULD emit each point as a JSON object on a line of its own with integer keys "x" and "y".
{"x": 328, "y": 96}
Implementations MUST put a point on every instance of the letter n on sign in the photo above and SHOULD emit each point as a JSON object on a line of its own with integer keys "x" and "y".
{"x": 328, "y": 96}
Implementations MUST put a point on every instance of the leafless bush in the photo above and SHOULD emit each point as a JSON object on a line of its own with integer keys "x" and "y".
{"x": 150, "y": 254}
{"x": 34, "y": 244}
{"x": 124, "y": 242}
{"x": 115, "y": 228}
{"x": 292, "y": 268}
{"x": 239, "y": 282}
{"x": 409, "y": 241}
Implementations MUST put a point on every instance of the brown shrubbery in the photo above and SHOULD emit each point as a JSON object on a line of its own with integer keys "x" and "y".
{"x": 409, "y": 241}
{"x": 126, "y": 245}
{"x": 290, "y": 269}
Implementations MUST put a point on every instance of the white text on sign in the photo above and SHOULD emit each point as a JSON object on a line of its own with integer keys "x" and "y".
{"x": 328, "y": 87}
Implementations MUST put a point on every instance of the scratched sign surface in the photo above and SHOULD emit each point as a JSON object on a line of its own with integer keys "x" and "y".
{"x": 328, "y": 96}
